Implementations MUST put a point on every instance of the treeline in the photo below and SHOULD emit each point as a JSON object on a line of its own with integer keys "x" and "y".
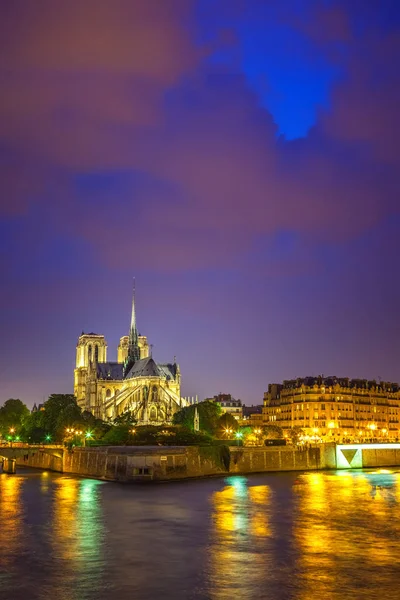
{"x": 59, "y": 413}
{"x": 61, "y": 420}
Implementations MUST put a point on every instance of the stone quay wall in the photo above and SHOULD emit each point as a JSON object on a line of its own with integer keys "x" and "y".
{"x": 163, "y": 463}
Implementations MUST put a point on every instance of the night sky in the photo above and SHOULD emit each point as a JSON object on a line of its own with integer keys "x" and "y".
{"x": 239, "y": 158}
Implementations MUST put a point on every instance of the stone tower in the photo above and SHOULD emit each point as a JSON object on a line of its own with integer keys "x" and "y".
{"x": 124, "y": 345}
{"x": 91, "y": 349}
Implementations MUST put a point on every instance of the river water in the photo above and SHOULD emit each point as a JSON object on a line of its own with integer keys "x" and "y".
{"x": 328, "y": 536}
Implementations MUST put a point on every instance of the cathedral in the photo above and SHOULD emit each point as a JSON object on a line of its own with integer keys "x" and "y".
{"x": 150, "y": 390}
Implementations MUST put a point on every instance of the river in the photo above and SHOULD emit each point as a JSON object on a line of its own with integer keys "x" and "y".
{"x": 315, "y": 535}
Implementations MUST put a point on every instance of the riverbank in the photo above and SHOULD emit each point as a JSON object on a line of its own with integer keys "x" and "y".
{"x": 167, "y": 463}
{"x": 163, "y": 463}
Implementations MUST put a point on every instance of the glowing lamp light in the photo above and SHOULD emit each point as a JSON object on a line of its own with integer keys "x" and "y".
{"x": 12, "y": 430}
{"x": 48, "y": 438}
{"x": 372, "y": 426}
{"x": 315, "y": 429}
{"x": 88, "y": 435}
{"x": 331, "y": 425}
{"x": 384, "y": 430}
{"x": 238, "y": 435}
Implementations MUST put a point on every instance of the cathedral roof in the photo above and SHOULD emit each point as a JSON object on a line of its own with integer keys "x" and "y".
{"x": 145, "y": 367}
{"x": 110, "y": 370}
{"x": 168, "y": 370}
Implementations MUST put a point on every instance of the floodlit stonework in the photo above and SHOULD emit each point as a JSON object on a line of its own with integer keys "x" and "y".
{"x": 135, "y": 382}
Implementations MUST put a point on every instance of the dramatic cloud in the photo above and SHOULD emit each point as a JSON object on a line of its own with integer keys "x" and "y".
{"x": 134, "y": 138}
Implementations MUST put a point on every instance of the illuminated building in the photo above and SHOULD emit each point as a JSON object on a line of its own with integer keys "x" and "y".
{"x": 335, "y": 408}
{"x": 150, "y": 390}
{"x": 228, "y": 405}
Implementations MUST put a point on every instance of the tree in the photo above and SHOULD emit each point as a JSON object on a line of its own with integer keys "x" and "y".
{"x": 13, "y": 413}
{"x": 209, "y": 412}
{"x": 295, "y": 433}
{"x": 272, "y": 432}
{"x": 118, "y": 434}
{"x": 61, "y": 411}
{"x": 126, "y": 418}
{"x": 226, "y": 421}
{"x": 33, "y": 430}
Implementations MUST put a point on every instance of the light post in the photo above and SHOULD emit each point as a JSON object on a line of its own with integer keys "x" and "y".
{"x": 258, "y": 433}
{"x": 88, "y": 436}
{"x": 73, "y": 432}
{"x": 12, "y": 431}
{"x": 238, "y": 436}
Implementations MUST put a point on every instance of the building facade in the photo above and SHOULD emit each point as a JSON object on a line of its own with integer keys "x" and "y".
{"x": 135, "y": 382}
{"x": 333, "y": 408}
{"x": 228, "y": 405}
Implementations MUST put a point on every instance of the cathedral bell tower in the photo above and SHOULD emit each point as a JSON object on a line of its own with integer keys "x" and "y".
{"x": 90, "y": 350}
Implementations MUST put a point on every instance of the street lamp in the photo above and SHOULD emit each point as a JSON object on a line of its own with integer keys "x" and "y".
{"x": 258, "y": 432}
{"x": 12, "y": 431}
{"x": 88, "y": 436}
{"x": 238, "y": 436}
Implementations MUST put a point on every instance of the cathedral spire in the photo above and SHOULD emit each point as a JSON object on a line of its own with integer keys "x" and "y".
{"x": 133, "y": 344}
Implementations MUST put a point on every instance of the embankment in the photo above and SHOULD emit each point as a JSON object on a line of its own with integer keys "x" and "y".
{"x": 133, "y": 463}
{"x": 164, "y": 463}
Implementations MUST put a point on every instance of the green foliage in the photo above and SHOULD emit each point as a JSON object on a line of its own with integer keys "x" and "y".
{"x": 117, "y": 435}
{"x": 127, "y": 418}
{"x": 226, "y": 421}
{"x": 184, "y": 437}
{"x": 60, "y": 411}
{"x": 272, "y": 432}
{"x": 209, "y": 413}
{"x": 153, "y": 435}
{"x": 220, "y": 455}
{"x": 13, "y": 414}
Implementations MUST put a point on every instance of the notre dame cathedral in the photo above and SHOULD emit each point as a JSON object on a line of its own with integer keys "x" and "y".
{"x": 135, "y": 382}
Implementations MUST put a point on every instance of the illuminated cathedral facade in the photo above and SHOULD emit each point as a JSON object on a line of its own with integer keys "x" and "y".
{"x": 135, "y": 382}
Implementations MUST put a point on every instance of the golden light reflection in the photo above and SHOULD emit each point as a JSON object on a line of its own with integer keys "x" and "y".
{"x": 241, "y": 532}
{"x": 10, "y": 517}
{"x": 65, "y": 532}
{"x": 259, "y": 495}
{"x": 340, "y": 519}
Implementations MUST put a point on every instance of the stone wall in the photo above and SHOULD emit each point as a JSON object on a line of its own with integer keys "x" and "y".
{"x": 41, "y": 460}
{"x": 376, "y": 457}
{"x": 163, "y": 463}
{"x": 123, "y": 463}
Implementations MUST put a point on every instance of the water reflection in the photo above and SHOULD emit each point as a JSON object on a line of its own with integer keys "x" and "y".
{"x": 240, "y": 520}
{"x": 333, "y": 536}
{"x": 77, "y": 536}
{"x": 346, "y": 531}
{"x": 11, "y": 525}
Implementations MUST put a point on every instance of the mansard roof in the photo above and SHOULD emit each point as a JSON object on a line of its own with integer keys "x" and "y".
{"x": 110, "y": 370}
